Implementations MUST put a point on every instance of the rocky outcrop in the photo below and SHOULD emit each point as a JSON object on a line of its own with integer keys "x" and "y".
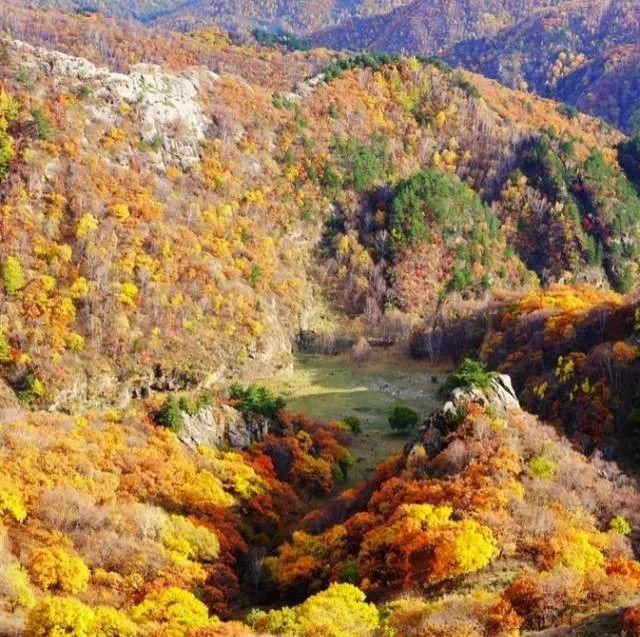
{"x": 217, "y": 425}
{"x": 500, "y": 394}
{"x": 432, "y": 436}
{"x": 170, "y": 117}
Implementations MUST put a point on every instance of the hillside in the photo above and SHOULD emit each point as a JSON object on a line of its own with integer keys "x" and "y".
{"x": 290, "y": 15}
{"x": 179, "y": 212}
{"x": 427, "y": 27}
{"x": 584, "y": 53}
{"x": 109, "y": 262}
{"x": 488, "y": 523}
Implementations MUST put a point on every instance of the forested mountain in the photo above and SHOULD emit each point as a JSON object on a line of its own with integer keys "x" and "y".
{"x": 519, "y": 192}
{"x": 179, "y": 211}
{"x": 583, "y": 53}
{"x": 291, "y": 15}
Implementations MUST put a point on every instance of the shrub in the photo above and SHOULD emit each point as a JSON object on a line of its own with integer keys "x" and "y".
{"x": 173, "y": 607}
{"x": 184, "y": 537}
{"x": 5, "y": 350}
{"x": 42, "y": 126}
{"x": 256, "y": 399}
{"x": 470, "y": 375}
{"x": 169, "y": 415}
{"x": 340, "y": 611}
{"x": 14, "y": 585}
{"x": 58, "y": 616}
{"x": 620, "y": 525}
{"x": 353, "y": 423}
{"x": 363, "y": 164}
{"x": 12, "y": 276}
{"x": 30, "y": 389}
{"x": 542, "y": 468}
{"x": 110, "y": 622}
{"x": 403, "y": 418}
{"x": 55, "y": 568}
{"x": 282, "y": 621}
{"x": 11, "y": 500}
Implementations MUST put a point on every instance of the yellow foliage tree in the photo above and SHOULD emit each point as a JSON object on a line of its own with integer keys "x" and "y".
{"x": 11, "y": 500}
{"x": 174, "y": 610}
{"x": 55, "y": 568}
{"x": 12, "y": 275}
{"x": 60, "y": 617}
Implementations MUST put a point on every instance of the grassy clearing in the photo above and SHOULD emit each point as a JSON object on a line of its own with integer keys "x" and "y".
{"x": 333, "y": 387}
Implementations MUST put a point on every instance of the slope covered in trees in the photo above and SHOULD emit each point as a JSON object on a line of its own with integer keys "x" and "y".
{"x": 171, "y": 207}
{"x": 175, "y": 210}
{"x": 582, "y": 53}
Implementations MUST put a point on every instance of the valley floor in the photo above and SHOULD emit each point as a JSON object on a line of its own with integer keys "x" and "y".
{"x": 334, "y": 387}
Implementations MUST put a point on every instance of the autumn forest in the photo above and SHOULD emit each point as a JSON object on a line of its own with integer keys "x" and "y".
{"x": 305, "y": 333}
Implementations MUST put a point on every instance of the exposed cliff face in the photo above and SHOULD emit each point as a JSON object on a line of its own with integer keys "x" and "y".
{"x": 222, "y": 425}
{"x": 167, "y": 106}
{"x": 499, "y": 395}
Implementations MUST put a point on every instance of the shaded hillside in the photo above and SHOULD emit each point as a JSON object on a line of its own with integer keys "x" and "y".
{"x": 428, "y": 27}
{"x": 582, "y": 53}
{"x": 291, "y": 15}
{"x": 572, "y": 352}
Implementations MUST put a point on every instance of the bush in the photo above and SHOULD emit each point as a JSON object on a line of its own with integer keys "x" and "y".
{"x": 363, "y": 164}
{"x": 43, "y": 127}
{"x": 256, "y": 399}
{"x": 403, "y": 418}
{"x": 470, "y": 375}
{"x": 173, "y": 608}
{"x": 542, "y": 468}
{"x": 620, "y": 525}
{"x": 339, "y": 611}
{"x": 55, "y": 568}
{"x": 57, "y": 616}
{"x": 109, "y": 622}
{"x": 170, "y": 414}
{"x": 353, "y": 423}
{"x": 11, "y": 500}
{"x": 14, "y": 585}
{"x": 12, "y": 275}
{"x": 30, "y": 389}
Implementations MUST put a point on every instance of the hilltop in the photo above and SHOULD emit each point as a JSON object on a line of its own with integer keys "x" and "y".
{"x": 582, "y": 53}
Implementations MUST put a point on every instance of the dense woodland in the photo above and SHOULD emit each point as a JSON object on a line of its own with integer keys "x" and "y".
{"x": 176, "y": 209}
